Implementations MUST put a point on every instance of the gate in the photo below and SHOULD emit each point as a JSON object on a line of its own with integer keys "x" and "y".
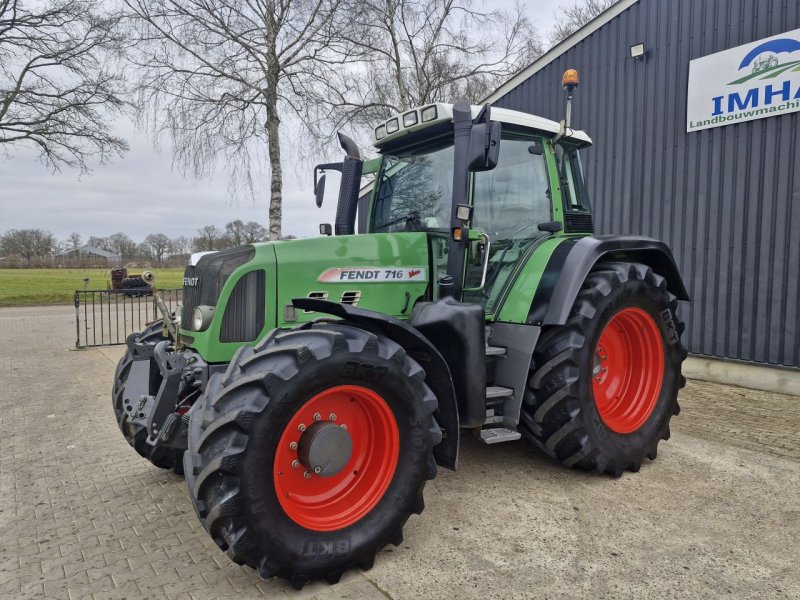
{"x": 107, "y": 317}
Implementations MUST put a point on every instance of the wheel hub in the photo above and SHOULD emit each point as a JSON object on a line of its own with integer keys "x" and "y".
{"x": 628, "y": 370}
{"x": 325, "y": 448}
{"x": 336, "y": 457}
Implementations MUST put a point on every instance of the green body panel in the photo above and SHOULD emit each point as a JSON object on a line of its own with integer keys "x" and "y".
{"x": 207, "y": 343}
{"x": 555, "y": 185}
{"x": 376, "y": 257}
{"x": 524, "y": 282}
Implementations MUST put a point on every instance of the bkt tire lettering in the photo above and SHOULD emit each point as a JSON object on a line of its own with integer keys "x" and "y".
{"x": 669, "y": 323}
{"x": 315, "y": 549}
{"x": 363, "y": 371}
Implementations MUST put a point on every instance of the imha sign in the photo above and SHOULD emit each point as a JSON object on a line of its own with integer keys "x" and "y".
{"x": 753, "y": 81}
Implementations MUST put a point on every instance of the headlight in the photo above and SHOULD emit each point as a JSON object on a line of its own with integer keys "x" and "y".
{"x": 201, "y": 317}
{"x": 429, "y": 113}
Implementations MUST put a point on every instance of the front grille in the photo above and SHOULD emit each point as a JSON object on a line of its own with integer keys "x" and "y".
{"x": 211, "y": 271}
{"x": 578, "y": 222}
{"x": 244, "y": 313}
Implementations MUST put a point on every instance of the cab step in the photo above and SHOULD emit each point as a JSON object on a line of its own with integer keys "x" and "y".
{"x": 496, "y": 391}
{"x": 495, "y": 351}
{"x": 497, "y": 435}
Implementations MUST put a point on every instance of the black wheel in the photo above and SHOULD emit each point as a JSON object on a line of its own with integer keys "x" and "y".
{"x": 164, "y": 458}
{"x": 604, "y": 386}
{"x": 310, "y": 453}
{"x": 133, "y": 282}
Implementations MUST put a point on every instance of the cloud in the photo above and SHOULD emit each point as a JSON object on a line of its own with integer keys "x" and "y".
{"x": 141, "y": 194}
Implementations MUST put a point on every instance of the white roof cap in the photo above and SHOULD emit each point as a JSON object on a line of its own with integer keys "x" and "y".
{"x": 444, "y": 112}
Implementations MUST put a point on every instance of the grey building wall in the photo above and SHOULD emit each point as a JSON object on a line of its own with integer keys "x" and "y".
{"x": 727, "y": 200}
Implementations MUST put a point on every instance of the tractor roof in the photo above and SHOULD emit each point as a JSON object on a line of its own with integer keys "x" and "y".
{"x": 422, "y": 117}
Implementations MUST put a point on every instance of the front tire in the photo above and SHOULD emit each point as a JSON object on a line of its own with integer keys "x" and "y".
{"x": 253, "y": 479}
{"x": 604, "y": 386}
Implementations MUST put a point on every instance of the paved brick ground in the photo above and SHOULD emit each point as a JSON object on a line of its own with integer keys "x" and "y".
{"x": 82, "y": 516}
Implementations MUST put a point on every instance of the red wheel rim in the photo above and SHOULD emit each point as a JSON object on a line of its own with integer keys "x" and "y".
{"x": 628, "y": 370}
{"x": 330, "y": 503}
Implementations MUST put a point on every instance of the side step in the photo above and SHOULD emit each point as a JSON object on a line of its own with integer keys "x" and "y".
{"x": 499, "y": 434}
{"x": 496, "y": 391}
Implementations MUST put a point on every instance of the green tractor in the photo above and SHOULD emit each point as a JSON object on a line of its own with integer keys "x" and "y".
{"x": 311, "y": 387}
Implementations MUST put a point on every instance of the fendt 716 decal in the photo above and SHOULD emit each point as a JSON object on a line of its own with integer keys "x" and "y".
{"x": 373, "y": 275}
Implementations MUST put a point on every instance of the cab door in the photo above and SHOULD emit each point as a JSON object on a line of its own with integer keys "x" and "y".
{"x": 509, "y": 202}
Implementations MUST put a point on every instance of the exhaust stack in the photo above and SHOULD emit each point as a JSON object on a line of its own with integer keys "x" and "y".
{"x": 349, "y": 188}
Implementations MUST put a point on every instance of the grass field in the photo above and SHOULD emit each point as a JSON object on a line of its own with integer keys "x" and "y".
{"x": 31, "y": 287}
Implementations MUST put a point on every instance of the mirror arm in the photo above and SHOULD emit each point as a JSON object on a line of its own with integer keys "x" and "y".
{"x": 326, "y": 167}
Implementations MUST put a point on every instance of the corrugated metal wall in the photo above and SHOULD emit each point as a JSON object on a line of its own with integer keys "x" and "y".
{"x": 727, "y": 200}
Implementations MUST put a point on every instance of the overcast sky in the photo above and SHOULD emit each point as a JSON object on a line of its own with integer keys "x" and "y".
{"x": 141, "y": 194}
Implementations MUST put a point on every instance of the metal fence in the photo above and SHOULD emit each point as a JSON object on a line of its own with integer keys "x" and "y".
{"x": 107, "y": 317}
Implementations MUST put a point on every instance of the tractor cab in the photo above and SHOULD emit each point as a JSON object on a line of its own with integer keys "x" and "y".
{"x": 510, "y": 209}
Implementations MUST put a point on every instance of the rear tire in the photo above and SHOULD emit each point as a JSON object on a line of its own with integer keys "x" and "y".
{"x": 135, "y": 434}
{"x": 604, "y": 386}
{"x": 134, "y": 282}
{"x": 243, "y": 481}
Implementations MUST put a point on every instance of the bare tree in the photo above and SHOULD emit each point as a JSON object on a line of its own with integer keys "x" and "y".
{"x": 235, "y": 231}
{"x": 181, "y": 245}
{"x": 102, "y": 243}
{"x": 207, "y": 238}
{"x": 157, "y": 245}
{"x": 56, "y": 89}
{"x": 253, "y": 232}
{"x": 422, "y": 52}
{"x": 221, "y": 75}
{"x": 28, "y": 243}
{"x": 575, "y": 16}
{"x": 122, "y": 244}
{"x": 74, "y": 241}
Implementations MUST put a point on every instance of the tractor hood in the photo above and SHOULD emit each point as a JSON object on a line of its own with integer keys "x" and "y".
{"x": 251, "y": 288}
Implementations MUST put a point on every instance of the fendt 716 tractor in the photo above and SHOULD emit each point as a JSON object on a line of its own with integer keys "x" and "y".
{"x": 311, "y": 387}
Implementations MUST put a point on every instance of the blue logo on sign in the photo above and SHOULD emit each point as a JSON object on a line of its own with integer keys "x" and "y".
{"x": 774, "y": 46}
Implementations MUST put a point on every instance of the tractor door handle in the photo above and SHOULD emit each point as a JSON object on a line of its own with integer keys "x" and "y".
{"x": 487, "y": 244}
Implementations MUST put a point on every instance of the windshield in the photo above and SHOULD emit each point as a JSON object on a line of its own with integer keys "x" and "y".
{"x": 415, "y": 190}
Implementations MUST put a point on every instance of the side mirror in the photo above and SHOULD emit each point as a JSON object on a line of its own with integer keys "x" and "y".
{"x": 319, "y": 190}
{"x": 484, "y": 146}
{"x": 325, "y": 229}
{"x": 550, "y": 227}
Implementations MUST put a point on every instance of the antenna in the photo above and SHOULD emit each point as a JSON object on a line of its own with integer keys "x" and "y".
{"x": 570, "y": 82}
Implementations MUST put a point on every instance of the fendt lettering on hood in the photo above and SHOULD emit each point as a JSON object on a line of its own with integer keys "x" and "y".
{"x": 372, "y": 275}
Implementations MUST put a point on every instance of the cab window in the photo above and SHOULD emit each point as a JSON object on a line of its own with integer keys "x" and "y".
{"x": 511, "y": 199}
{"x": 575, "y": 197}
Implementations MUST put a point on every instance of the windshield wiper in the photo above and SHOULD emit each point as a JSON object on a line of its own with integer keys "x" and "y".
{"x": 412, "y": 217}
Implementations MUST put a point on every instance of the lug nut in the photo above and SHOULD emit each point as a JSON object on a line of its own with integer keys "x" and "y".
{"x": 332, "y": 417}
{"x": 317, "y": 470}
{"x": 293, "y": 446}
{"x": 317, "y": 416}
{"x": 307, "y": 475}
{"x": 295, "y": 464}
{"x": 343, "y": 426}
{"x": 301, "y": 428}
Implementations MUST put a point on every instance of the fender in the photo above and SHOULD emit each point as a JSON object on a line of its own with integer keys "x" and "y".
{"x": 572, "y": 261}
{"x": 420, "y": 349}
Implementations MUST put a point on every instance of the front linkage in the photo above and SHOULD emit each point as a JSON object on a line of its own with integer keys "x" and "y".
{"x": 155, "y": 385}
